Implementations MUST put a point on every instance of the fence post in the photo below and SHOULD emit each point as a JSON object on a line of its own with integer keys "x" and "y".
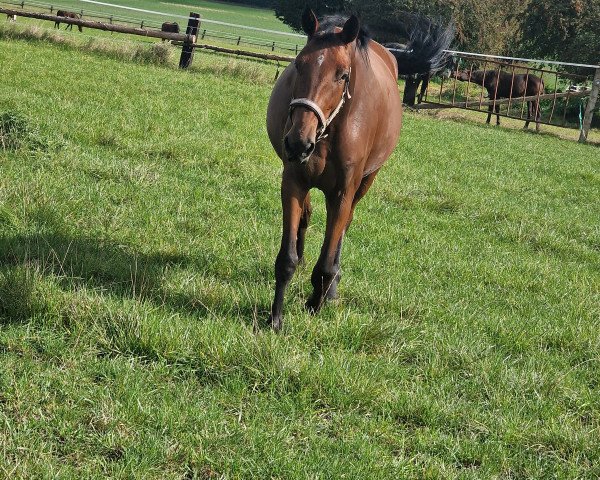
{"x": 187, "y": 52}
{"x": 51, "y": 8}
{"x": 589, "y": 109}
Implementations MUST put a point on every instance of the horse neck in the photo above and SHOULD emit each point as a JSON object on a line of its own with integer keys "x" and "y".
{"x": 480, "y": 77}
{"x": 358, "y": 71}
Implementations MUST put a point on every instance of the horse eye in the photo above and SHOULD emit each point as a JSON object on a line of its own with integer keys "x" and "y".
{"x": 344, "y": 77}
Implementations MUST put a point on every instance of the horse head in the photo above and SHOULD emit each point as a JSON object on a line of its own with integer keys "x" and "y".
{"x": 450, "y": 66}
{"x": 462, "y": 75}
{"x": 322, "y": 79}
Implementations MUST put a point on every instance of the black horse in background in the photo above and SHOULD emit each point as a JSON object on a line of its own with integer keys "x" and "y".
{"x": 501, "y": 84}
{"x": 412, "y": 82}
{"x": 426, "y": 36}
{"x": 67, "y": 14}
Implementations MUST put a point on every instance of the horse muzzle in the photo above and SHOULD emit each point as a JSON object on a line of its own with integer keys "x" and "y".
{"x": 298, "y": 148}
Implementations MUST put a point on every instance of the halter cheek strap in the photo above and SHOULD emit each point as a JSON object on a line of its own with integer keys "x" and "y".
{"x": 305, "y": 102}
{"x": 313, "y": 107}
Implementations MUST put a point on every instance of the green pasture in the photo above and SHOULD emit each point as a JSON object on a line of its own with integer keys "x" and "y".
{"x": 139, "y": 223}
{"x": 209, "y": 10}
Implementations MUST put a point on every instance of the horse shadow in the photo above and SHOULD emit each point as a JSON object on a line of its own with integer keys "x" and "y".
{"x": 121, "y": 270}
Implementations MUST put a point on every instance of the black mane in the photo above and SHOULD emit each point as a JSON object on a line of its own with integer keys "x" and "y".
{"x": 427, "y": 40}
{"x": 328, "y": 24}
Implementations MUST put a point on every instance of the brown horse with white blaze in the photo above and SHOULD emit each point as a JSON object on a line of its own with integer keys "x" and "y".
{"x": 334, "y": 118}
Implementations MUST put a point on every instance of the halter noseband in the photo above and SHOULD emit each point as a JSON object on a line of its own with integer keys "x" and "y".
{"x": 313, "y": 107}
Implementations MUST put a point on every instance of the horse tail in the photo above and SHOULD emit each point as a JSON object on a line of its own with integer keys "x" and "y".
{"x": 424, "y": 51}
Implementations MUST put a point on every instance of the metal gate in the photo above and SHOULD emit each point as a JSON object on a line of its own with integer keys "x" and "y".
{"x": 553, "y": 93}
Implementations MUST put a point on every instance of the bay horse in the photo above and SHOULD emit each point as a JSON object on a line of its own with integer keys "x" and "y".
{"x": 67, "y": 14}
{"x": 333, "y": 118}
{"x": 500, "y": 84}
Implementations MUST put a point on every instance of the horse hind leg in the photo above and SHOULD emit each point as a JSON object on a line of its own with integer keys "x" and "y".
{"x": 489, "y": 117}
{"x": 497, "y": 114}
{"x": 304, "y": 221}
{"x": 424, "y": 87}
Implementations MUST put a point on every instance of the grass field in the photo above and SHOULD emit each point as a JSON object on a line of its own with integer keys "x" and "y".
{"x": 172, "y": 10}
{"x": 139, "y": 223}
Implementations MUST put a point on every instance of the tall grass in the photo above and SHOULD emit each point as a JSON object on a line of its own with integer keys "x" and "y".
{"x": 146, "y": 53}
{"x": 152, "y": 54}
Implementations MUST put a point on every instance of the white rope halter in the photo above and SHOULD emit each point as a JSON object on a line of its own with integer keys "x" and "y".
{"x": 313, "y": 107}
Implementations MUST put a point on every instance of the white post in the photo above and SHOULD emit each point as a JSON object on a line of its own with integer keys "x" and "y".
{"x": 589, "y": 109}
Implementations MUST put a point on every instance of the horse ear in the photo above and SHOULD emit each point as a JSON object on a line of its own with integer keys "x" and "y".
{"x": 310, "y": 24}
{"x": 351, "y": 29}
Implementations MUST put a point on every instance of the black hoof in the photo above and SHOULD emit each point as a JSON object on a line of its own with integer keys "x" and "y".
{"x": 313, "y": 304}
{"x": 276, "y": 323}
{"x": 332, "y": 295}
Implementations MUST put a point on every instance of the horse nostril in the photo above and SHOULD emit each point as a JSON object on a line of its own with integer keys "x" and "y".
{"x": 297, "y": 149}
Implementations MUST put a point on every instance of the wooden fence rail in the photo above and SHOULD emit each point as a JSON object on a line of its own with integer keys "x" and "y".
{"x": 145, "y": 23}
{"x": 145, "y": 32}
{"x": 244, "y": 53}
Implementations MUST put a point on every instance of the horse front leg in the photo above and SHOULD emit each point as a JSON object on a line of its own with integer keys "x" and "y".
{"x": 497, "y": 114}
{"x": 292, "y": 202}
{"x": 490, "y": 111}
{"x": 324, "y": 277}
{"x": 529, "y": 104}
{"x": 304, "y": 221}
{"x": 538, "y": 116}
{"x": 424, "y": 87}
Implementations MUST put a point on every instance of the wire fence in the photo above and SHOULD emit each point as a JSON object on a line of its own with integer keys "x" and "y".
{"x": 537, "y": 91}
{"x": 235, "y": 35}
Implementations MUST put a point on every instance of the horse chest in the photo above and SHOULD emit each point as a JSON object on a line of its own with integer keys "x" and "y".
{"x": 320, "y": 172}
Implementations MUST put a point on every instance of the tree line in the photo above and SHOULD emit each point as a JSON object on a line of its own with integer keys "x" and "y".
{"x": 566, "y": 30}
